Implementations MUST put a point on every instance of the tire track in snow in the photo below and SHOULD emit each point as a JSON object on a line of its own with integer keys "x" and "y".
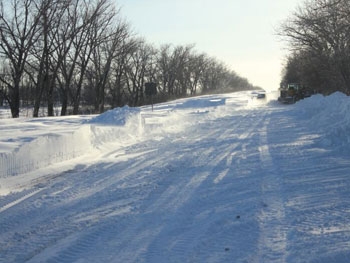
{"x": 32, "y": 236}
{"x": 273, "y": 233}
{"x": 17, "y": 201}
{"x": 210, "y": 158}
{"x": 140, "y": 231}
{"x": 76, "y": 245}
{"x": 318, "y": 195}
{"x": 186, "y": 240}
{"x": 315, "y": 194}
{"x": 20, "y": 198}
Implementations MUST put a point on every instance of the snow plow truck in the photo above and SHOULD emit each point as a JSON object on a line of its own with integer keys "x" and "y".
{"x": 293, "y": 92}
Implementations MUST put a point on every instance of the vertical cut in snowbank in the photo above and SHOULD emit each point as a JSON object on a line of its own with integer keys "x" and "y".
{"x": 44, "y": 151}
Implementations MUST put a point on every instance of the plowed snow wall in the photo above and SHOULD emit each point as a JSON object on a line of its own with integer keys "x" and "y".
{"x": 44, "y": 151}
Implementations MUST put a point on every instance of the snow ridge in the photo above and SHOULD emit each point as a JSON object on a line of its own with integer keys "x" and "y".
{"x": 273, "y": 234}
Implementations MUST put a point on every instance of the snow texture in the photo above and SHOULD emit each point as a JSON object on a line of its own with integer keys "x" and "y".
{"x": 219, "y": 178}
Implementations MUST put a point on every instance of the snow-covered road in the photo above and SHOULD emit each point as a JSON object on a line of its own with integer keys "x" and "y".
{"x": 232, "y": 182}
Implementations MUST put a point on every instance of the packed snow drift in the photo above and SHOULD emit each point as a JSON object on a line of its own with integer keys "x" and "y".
{"x": 219, "y": 178}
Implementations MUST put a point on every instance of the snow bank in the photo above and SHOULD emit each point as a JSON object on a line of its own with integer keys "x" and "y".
{"x": 44, "y": 151}
{"x": 329, "y": 115}
{"x": 119, "y": 124}
{"x": 117, "y": 116}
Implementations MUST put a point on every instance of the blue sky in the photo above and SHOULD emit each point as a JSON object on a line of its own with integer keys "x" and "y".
{"x": 239, "y": 33}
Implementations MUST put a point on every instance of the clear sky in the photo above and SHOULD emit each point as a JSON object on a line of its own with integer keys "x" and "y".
{"x": 240, "y": 33}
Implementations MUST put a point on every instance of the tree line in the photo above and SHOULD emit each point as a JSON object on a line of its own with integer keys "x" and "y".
{"x": 81, "y": 55}
{"x": 318, "y": 37}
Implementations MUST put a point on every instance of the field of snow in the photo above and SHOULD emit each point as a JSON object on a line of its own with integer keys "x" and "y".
{"x": 221, "y": 178}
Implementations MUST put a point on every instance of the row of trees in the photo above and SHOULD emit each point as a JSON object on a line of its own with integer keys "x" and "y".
{"x": 81, "y": 53}
{"x": 318, "y": 34}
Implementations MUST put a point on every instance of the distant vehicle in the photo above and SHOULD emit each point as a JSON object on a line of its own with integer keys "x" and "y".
{"x": 259, "y": 94}
{"x": 293, "y": 92}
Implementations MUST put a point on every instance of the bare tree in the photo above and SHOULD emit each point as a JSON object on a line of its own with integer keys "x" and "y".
{"x": 43, "y": 62}
{"x": 321, "y": 29}
{"x": 109, "y": 34}
{"x": 181, "y": 65}
{"x": 120, "y": 62}
{"x": 172, "y": 63}
{"x": 139, "y": 69}
{"x": 78, "y": 40}
{"x": 212, "y": 75}
{"x": 197, "y": 66}
{"x": 18, "y": 33}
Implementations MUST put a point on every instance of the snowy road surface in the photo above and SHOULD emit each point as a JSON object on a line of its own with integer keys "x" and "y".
{"x": 212, "y": 179}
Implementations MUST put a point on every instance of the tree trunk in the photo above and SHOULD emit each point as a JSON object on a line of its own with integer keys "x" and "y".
{"x": 64, "y": 102}
{"x": 15, "y": 102}
{"x": 50, "y": 99}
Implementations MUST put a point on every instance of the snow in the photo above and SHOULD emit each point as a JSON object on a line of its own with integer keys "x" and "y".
{"x": 217, "y": 178}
